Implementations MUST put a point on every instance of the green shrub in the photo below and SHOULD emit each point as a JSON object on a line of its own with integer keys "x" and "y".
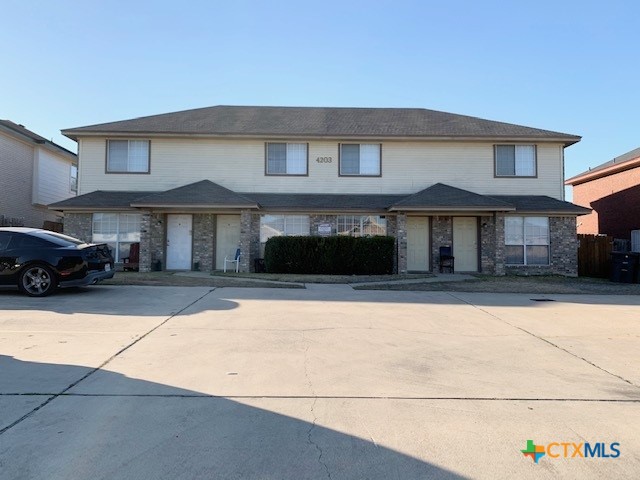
{"x": 339, "y": 255}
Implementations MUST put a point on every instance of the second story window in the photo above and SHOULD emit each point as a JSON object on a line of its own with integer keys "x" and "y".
{"x": 286, "y": 159}
{"x": 127, "y": 156}
{"x": 515, "y": 161}
{"x": 360, "y": 159}
{"x": 74, "y": 178}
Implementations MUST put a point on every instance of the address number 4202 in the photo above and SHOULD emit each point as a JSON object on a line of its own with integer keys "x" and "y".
{"x": 324, "y": 159}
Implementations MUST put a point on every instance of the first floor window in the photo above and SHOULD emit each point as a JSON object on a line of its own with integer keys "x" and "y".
{"x": 526, "y": 240}
{"x": 286, "y": 158}
{"x": 515, "y": 160}
{"x": 74, "y": 178}
{"x": 360, "y": 159}
{"x": 118, "y": 230}
{"x": 127, "y": 156}
{"x": 361, "y": 225}
{"x": 282, "y": 225}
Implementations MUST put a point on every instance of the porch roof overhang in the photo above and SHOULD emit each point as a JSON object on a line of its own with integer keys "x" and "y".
{"x": 203, "y": 194}
{"x": 441, "y": 197}
{"x": 438, "y": 199}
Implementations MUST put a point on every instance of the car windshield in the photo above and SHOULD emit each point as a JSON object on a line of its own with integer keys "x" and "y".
{"x": 60, "y": 239}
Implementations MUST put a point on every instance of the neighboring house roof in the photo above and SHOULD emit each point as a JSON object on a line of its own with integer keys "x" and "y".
{"x": 443, "y": 197}
{"x": 308, "y": 122}
{"x": 200, "y": 194}
{"x": 22, "y": 133}
{"x": 619, "y": 164}
{"x": 207, "y": 194}
{"x": 542, "y": 204}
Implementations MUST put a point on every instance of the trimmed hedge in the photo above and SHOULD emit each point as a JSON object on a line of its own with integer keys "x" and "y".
{"x": 337, "y": 255}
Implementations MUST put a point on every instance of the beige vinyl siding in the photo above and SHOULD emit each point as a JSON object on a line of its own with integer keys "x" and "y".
{"x": 53, "y": 178}
{"x": 17, "y": 194}
{"x": 239, "y": 165}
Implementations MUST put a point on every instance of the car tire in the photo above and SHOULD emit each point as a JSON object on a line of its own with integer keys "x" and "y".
{"x": 37, "y": 281}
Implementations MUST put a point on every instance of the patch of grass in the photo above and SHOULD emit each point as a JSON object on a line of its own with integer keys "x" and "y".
{"x": 545, "y": 284}
{"x": 304, "y": 278}
{"x": 173, "y": 280}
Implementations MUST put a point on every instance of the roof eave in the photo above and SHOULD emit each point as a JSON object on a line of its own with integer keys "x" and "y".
{"x": 397, "y": 208}
{"x": 566, "y": 140}
{"x": 197, "y": 206}
{"x": 604, "y": 172}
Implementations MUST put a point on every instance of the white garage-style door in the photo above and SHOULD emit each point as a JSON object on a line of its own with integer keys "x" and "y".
{"x": 465, "y": 244}
{"x": 418, "y": 244}
{"x": 227, "y": 238}
{"x": 179, "y": 228}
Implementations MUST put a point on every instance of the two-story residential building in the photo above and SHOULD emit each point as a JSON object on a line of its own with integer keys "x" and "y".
{"x": 193, "y": 186}
{"x": 34, "y": 172}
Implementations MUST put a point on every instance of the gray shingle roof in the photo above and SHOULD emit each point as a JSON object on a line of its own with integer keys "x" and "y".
{"x": 100, "y": 199}
{"x": 542, "y": 204}
{"x": 203, "y": 193}
{"x": 206, "y": 194}
{"x": 320, "y": 122}
{"x": 445, "y": 197}
{"x": 22, "y": 132}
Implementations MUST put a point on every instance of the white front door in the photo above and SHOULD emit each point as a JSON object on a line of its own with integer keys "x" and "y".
{"x": 418, "y": 244}
{"x": 227, "y": 238}
{"x": 179, "y": 242}
{"x": 465, "y": 244}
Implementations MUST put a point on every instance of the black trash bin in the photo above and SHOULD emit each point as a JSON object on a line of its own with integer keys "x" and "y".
{"x": 259, "y": 265}
{"x": 624, "y": 267}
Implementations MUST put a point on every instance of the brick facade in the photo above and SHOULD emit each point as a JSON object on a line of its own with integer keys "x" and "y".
{"x": 441, "y": 236}
{"x": 563, "y": 245}
{"x": 563, "y": 241}
{"x": 615, "y": 200}
{"x": 79, "y": 225}
{"x": 204, "y": 241}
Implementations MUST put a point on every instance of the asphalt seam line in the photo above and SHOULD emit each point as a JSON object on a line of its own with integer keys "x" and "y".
{"x": 103, "y": 364}
{"x": 548, "y": 342}
{"x": 322, "y": 397}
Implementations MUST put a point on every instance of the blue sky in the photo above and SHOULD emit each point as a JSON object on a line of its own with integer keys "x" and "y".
{"x": 560, "y": 65}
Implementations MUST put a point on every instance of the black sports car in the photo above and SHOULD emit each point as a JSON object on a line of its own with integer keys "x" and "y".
{"x": 39, "y": 261}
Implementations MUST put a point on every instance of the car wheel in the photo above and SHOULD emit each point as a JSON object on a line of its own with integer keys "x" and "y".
{"x": 37, "y": 281}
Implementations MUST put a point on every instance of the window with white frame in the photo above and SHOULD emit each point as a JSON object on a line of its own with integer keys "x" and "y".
{"x": 286, "y": 158}
{"x": 526, "y": 240}
{"x": 74, "y": 179}
{"x": 118, "y": 230}
{"x": 128, "y": 156}
{"x": 282, "y": 225}
{"x": 361, "y": 225}
{"x": 515, "y": 160}
{"x": 360, "y": 159}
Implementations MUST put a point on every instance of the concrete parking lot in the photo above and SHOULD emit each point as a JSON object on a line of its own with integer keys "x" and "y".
{"x": 117, "y": 382}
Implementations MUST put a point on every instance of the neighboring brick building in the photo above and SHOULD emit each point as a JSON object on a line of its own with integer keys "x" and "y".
{"x": 192, "y": 187}
{"x": 612, "y": 190}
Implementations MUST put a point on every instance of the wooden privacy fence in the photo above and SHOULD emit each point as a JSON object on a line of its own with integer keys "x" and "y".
{"x": 594, "y": 259}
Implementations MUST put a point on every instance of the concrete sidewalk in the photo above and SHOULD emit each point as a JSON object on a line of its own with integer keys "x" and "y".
{"x": 457, "y": 277}
{"x": 326, "y": 382}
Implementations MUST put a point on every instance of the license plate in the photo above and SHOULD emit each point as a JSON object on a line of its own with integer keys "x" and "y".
{"x": 107, "y": 267}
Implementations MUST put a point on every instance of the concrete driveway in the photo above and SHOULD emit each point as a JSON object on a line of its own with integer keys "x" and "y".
{"x": 185, "y": 382}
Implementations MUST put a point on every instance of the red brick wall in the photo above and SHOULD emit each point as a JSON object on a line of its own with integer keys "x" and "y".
{"x": 615, "y": 200}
